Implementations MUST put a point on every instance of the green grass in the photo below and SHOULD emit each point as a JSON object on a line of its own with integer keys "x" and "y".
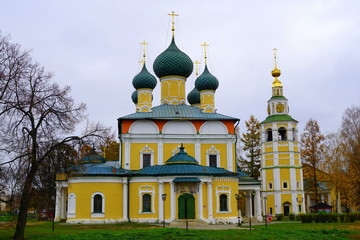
{"x": 129, "y": 231}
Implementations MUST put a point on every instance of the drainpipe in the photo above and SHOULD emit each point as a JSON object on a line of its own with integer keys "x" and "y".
{"x": 236, "y": 139}
{"x": 128, "y": 197}
{"x": 121, "y": 142}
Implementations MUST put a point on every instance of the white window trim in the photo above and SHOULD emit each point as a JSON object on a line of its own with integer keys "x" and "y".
{"x": 219, "y": 191}
{"x": 282, "y": 184}
{"x": 146, "y": 150}
{"x": 149, "y": 190}
{"x": 213, "y": 151}
{"x": 268, "y": 185}
{"x": 102, "y": 207}
{"x": 73, "y": 213}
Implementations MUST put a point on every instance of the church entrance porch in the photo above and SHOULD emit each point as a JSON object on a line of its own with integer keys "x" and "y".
{"x": 287, "y": 208}
{"x": 186, "y": 206}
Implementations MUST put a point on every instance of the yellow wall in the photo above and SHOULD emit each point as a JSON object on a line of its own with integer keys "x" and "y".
{"x": 135, "y": 200}
{"x": 205, "y": 201}
{"x": 269, "y": 178}
{"x": 232, "y": 205}
{"x": 173, "y": 88}
{"x": 135, "y": 149}
{"x": 285, "y": 198}
{"x": 84, "y": 191}
{"x": 222, "y": 147}
{"x": 270, "y": 203}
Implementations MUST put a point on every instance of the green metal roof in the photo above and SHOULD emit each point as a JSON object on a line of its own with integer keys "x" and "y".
{"x": 144, "y": 79}
{"x": 278, "y": 118}
{"x": 134, "y": 97}
{"x": 181, "y": 157}
{"x": 193, "y": 179}
{"x": 92, "y": 157}
{"x": 171, "y": 112}
{"x": 97, "y": 170}
{"x": 183, "y": 169}
{"x": 243, "y": 177}
{"x": 173, "y": 62}
{"x": 278, "y": 97}
{"x": 206, "y": 81}
{"x": 194, "y": 96}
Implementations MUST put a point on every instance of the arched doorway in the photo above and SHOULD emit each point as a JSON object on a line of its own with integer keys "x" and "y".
{"x": 186, "y": 206}
{"x": 286, "y": 208}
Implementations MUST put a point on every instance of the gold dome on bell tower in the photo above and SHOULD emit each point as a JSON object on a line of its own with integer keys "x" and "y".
{"x": 276, "y": 73}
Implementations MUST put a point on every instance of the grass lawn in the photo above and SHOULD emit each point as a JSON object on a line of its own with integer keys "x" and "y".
{"x": 296, "y": 231}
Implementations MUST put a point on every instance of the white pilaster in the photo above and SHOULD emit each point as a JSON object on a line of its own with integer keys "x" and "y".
{"x": 210, "y": 199}
{"x": 160, "y": 201}
{"x": 229, "y": 157}
{"x": 197, "y": 151}
{"x": 200, "y": 202}
{"x": 276, "y": 174}
{"x": 127, "y": 154}
{"x": 125, "y": 198}
{"x": 172, "y": 199}
{"x": 278, "y": 207}
{"x": 294, "y": 204}
{"x": 160, "y": 154}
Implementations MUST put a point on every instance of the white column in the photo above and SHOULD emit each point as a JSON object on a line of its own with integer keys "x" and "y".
{"x": 58, "y": 203}
{"x": 63, "y": 204}
{"x": 258, "y": 205}
{"x": 229, "y": 157}
{"x": 209, "y": 200}
{"x": 200, "y": 202}
{"x": 125, "y": 198}
{"x": 278, "y": 207}
{"x": 160, "y": 154}
{"x": 160, "y": 202}
{"x": 172, "y": 199}
{"x": 294, "y": 203}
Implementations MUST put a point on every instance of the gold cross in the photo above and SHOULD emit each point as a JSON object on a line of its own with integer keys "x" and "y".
{"x": 205, "y": 45}
{"x": 275, "y": 50}
{"x": 173, "y": 15}
{"x": 144, "y": 49}
{"x": 197, "y": 67}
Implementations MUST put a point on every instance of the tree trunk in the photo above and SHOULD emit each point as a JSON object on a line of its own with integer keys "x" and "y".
{"x": 24, "y": 203}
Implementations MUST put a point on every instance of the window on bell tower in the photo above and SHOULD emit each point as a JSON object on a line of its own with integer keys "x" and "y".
{"x": 282, "y": 134}
{"x": 269, "y": 135}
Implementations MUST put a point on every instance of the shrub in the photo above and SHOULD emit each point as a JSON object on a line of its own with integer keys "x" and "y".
{"x": 342, "y": 217}
{"x": 279, "y": 217}
{"x": 306, "y": 218}
{"x": 352, "y": 217}
{"x": 332, "y": 217}
{"x": 292, "y": 216}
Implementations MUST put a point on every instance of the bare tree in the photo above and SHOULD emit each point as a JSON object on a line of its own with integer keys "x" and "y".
{"x": 350, "y": 133}
{"x": 36, "y": 116}
{"x": 312, "y": 148}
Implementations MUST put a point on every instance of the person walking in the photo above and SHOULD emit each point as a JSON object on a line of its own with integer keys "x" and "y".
{"x": 269, "y": 217}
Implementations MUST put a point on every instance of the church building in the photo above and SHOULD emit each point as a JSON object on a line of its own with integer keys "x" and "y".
{"x": 178, "y": 160}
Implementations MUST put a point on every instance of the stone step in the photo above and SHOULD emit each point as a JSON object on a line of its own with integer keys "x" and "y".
{"x": 190, "y": 222}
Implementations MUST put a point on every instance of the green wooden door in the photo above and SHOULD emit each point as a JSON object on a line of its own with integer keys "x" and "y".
{"x": 186, "y": 206}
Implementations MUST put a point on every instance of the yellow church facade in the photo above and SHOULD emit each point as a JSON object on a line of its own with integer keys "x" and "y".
{"x": 178, "y": 159}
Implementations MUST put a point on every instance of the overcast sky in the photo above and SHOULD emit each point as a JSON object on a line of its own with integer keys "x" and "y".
{"x": 93, "y": 46}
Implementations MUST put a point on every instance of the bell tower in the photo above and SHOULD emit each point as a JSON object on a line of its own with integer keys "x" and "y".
{"x": 281, "y": 170}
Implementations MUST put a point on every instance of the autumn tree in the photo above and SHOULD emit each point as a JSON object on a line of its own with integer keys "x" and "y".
{"x": 312, "y": 149}
{"x": 350, "y": 133}
{"x": 251, "y": 143}
{"x": 36, "y": 118}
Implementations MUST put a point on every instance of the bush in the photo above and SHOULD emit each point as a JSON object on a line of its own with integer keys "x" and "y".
{"x": 342, "y": 217}
{"x": 292, "y": 216}
{"x": 332, "y": 217}
{"x": 306, "y": 218}
{"x": 352, "y": 217}
{"x": 279, "y": 217}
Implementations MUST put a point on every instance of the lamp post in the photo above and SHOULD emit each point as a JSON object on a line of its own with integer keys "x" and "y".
{"x": 237, "y": 196}
{"x": 53, "y": 217}
{"x": 163, "y": 196}
{"x": 300, "y": 201}
{"x": 265, "y": 198}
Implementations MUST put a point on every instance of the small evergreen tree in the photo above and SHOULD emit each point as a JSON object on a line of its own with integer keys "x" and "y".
{"x": 251, "y": 141}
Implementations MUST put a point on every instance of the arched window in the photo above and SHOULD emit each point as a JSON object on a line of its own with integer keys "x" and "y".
{"x": 294, "y": 134}
{"x": 223, "y": 202}
{"x": 282, "y": 134}
{"x": 269, "y": 135}
{"x": 146, "y": 203}
{"x": 98, "y": 203}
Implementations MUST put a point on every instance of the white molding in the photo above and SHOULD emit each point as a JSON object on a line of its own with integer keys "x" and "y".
{"x": 94, "y": 221}
{"x": 71, "y": 206}
{"x": 149, "y": 189}
{"x": 213, "y": 151}
{"x": 102, "y": 214}
{"x": 146, "y": 150}
{"x": 143, "y": 127}
{"x": 96, "y": 179}
{"x": 219, "y": 191}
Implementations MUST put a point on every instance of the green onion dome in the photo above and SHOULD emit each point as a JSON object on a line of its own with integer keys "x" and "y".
{"x": 134, "y": 97}
{"x": 206, "y": 81}
{"x": 181, "y": 157}
{"x": 194, "y": 97}
{"x": 173, "y": 62}
{"x": 144, "y": 79}
{"x": 93, "y": 157}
